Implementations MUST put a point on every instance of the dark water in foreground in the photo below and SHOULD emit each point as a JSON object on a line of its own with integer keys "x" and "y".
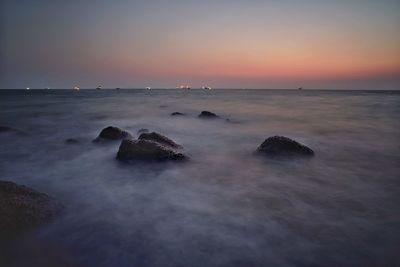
{"x": 225, "y": 207}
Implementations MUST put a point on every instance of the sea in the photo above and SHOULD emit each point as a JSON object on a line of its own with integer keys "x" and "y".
{"x": 226, "y": 206}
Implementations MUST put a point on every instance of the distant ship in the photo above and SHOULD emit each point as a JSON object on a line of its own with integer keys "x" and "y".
{"x": 300, "y": 88}
{"x": 206, "y": 88}
{"x": 27, "y": 88}
{"x": 187, "y": 87}
{"x": 76, "y": 88}
{"x": 148, "y": 88}
{"x": 98, "y": 87}
{"x": 117, "y": 88}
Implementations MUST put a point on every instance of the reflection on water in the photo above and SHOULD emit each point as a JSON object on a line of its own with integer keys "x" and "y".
{"x": 225, "y": 207}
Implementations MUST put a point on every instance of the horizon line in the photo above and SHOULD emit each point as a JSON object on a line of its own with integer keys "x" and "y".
{"x": 221, "y": 88}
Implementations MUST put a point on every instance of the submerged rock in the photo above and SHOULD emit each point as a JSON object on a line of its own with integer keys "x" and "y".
{"x": 72, "y": 141}
{"x": 22, "y": 207}
{"x": 159, "y": 138}
{"x": 283, "y": 146}
{"x": 145, "y": 150}
{"x": 112, "y": 133}
{"x": 177, "y": 114}
{"x": 207, "y": 115}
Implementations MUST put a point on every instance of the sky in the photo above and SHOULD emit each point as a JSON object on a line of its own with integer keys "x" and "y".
{"x": 318, "y": 44}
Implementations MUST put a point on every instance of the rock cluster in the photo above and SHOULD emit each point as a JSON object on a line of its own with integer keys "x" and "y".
{"x": 22, "y": 207}
{"x": 149, "y": 147}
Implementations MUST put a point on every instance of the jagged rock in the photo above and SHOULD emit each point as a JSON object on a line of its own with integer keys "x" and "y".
{"x": 207, "y": 115}
{"x": 22, "y": 207}
{"x": 112, "y": 133}
{"x": 283, "y": 146}
{"x": 177, "y": 114}
{"x": 159, "y": 138}
{"x": 145, "y": 150}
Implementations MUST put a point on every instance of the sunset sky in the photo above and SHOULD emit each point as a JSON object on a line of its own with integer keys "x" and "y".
{"x": 343, "y": 44}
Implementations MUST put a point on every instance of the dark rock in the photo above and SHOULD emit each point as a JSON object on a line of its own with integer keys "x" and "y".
{"x": 145, "y": 150}
{"x": 143, "y": 130}
{"x": 72, "y": 141}
{"x": 159, "y": 138}
{"x": 177, "y": 114}
{"x": 22, "y": 208}
{"x": 112, "y": 133}
{"x": 207, "y": 115}
{"x": 283, "y": 146}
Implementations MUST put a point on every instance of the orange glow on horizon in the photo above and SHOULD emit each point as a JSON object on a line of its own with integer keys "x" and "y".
{"x": 252, "y": 58}
{"x": 279, "y": 66}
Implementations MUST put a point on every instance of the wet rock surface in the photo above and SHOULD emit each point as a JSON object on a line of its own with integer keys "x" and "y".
{"x": 146, "y": 150}
{"x": 207, "y": 115}
{"x": 112, "y": 133}
{"x": 143, "y": 130}
{"x": 159, "y": 138}
{"x": 22, "y": 208}
{"x": 277, "y": 146}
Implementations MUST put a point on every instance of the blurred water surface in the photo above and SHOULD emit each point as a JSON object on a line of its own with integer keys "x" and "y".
{"x": 223, "y": 208}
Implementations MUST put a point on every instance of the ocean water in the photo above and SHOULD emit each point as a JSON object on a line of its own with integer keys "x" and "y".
{"x": 225, "y": 207}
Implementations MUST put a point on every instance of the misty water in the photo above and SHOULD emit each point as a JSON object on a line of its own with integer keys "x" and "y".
{"x": 226, "y": 206}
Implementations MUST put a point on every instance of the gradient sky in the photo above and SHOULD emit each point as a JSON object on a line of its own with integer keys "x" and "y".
{"x": 342, "y": 44}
